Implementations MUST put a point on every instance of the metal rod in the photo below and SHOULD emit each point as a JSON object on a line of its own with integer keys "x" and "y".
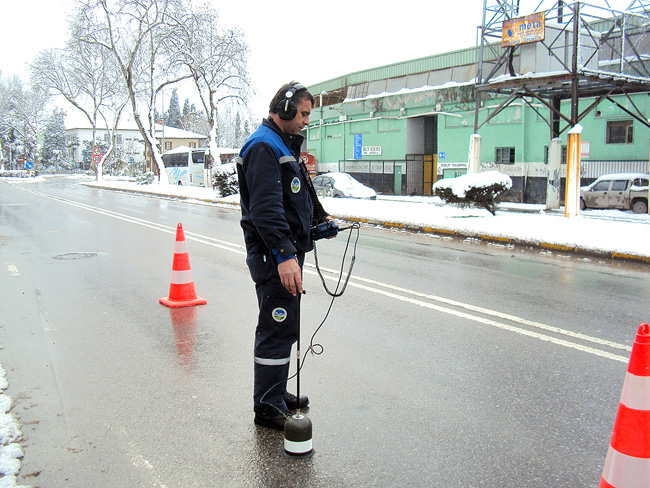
{"x": 298, "y": 351}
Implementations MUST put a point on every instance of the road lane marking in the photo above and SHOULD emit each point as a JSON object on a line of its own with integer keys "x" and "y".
{"x": 493, "y": 323}
{"x": 374, "y": 286}
{"x": 486, "y": 311}
{"x": 148, "y": 223}
{"x": 13, "y": 271}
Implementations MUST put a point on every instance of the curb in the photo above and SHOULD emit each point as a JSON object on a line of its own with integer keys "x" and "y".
{"x": 548, "y": 246}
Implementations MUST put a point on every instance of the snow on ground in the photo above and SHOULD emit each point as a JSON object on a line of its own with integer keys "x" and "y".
{"x": 10, "y": 435}
{"x": 600, "y": 231}
{"x": 594, "y": 230}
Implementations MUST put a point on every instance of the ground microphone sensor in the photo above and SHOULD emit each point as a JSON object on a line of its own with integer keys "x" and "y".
{"x": 298, "y": 437}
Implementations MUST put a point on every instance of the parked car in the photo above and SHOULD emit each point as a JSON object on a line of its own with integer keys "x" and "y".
{"x": 342, "y": 185}
{"x": 624, "y": 191}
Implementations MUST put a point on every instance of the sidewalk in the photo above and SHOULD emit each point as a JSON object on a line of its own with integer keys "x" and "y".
{"x": 608, "y": 234}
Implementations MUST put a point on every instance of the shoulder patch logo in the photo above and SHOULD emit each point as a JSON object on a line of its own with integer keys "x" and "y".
{"x": 279, "y": 314}
{"x": 295, "y": 185}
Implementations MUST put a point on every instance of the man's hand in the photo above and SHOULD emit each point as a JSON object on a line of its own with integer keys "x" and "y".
{"x": 329, "y": 217}
{"x": 291, "y": 276}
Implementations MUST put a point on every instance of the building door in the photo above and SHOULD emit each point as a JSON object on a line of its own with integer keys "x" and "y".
{"x": 430, "y": 159}
{"x": 421, "y": 154}
{"x": 429, "y": 173}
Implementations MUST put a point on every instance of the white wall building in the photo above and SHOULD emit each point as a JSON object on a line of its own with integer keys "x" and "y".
{"x": 129, "y": 143}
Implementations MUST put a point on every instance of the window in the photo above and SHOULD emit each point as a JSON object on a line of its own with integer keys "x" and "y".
{"x": 505, "y": 155}
{"x": 198, "y": 157}
{"x": 619, "y": 185}
{"x": 601, "y": 186}
{"x": 192, "y": 144}
{"x": 168, "y": 145}
{"x": 175, "y": 160}
{"x": 564, "y": 154}
{"x": 620, "y": 132}
{"x": 640, "y": 182}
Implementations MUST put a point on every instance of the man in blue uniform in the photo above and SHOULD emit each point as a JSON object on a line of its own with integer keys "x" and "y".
{"x": 277, "y": 213}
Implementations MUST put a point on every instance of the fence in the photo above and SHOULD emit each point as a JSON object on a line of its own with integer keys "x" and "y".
{"x": 384, "y": 176}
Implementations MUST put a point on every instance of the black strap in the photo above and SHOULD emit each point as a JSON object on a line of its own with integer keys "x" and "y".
{"x": 319, "y": 212}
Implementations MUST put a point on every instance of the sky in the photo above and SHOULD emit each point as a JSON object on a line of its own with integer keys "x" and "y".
{"x": 308, "y": 42}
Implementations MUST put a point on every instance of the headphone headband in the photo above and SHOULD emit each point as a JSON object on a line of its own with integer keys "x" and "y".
{"x": 293, "y": 90}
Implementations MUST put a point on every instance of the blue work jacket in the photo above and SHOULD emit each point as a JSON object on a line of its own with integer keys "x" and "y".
{"x": 275, "y": 202}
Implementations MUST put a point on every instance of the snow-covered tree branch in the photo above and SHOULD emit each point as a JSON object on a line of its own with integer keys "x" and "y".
{"x": 217, "y": 59}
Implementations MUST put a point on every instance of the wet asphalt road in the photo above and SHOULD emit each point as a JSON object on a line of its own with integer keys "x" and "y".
{"x": 446, "y": 363}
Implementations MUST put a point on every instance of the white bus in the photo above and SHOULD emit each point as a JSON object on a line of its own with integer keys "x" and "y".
{"x": 185, "y": 166}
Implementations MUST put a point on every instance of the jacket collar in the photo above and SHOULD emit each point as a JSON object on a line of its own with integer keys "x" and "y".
{"x": 293, "y": 142}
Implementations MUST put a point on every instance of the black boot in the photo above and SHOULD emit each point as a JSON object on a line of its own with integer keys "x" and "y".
{"x": 292, "y": 401}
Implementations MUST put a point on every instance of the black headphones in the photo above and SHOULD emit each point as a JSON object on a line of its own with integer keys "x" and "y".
{"x": 287, "y": 108}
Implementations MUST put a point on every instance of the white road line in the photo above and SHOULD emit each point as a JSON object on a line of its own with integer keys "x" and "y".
{"x": 486, "y": 311}
{"x": 493, "y": 323}
{"x": 13, "y": 271}
{"x": 414, "y": 298}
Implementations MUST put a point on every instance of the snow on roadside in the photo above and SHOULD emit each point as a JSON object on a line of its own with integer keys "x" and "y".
{"x": 593, "y": 230}
{"x": 10, "y": 435}
{"x": 462, "y": 184}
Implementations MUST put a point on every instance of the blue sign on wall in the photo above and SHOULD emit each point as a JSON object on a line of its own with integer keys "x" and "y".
{"x": 441, "y": 155}
{"x": 358, "y": 141}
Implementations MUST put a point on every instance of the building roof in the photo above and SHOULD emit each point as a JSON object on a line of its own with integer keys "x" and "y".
{"x": 404, "y": 68}
{"x": 175, "y": 133}
{"x": 169, "y": 132}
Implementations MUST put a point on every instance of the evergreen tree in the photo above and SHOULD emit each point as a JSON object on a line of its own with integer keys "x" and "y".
{"x": 173, "y": 118}
{"x": 247, "y": 131}
{"x": 238, "y": 134}
{"x": 54, "y": 144}
{"x": 186, "y": 107}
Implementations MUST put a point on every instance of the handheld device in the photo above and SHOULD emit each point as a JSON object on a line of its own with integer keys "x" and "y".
{"x": 327, "y": 228}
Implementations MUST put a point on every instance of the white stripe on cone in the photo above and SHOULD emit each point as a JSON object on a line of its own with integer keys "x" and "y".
{"x": 636, "y": 392}
{"x": 180, "y": 247}
{"x": 181, "y": 277}
{"x": 623, "y": 471}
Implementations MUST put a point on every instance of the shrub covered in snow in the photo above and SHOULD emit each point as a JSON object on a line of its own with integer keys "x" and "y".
{"x": 145, "y": 179}
{"x": 225, "y": 180}
{"x": 474, "y": 190}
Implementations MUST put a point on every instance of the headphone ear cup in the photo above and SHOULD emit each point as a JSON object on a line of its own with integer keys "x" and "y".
{"x": 287, "y": 109}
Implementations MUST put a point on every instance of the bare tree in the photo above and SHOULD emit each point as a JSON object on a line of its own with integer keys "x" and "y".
{"x": 217, "y": 59}
{"x": 137, "y": 33}
{"x": 87, "y": 77}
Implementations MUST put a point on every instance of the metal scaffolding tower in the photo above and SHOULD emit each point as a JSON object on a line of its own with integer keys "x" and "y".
{"x": 587, "y": 51}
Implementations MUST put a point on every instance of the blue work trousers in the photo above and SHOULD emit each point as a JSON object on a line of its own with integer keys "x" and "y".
{"x": 275, "y": 334}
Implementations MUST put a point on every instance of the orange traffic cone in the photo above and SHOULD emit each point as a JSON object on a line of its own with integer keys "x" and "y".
{"x": 181, "y": 290}
{"x": 627, "y": 464}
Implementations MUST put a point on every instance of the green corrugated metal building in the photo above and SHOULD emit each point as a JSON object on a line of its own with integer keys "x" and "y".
{"x": 394, "y": 126}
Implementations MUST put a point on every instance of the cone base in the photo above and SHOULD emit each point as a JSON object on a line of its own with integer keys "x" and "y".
{"x": 182, "y": 303}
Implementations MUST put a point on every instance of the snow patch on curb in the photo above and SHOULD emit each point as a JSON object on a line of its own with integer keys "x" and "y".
{"x": 10, "y": 434}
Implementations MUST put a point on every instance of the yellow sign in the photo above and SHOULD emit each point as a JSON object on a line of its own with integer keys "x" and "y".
{"x": 523, "y": 30}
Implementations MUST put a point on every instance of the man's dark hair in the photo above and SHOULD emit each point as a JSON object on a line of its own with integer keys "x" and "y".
{"x": 297, "y": 97}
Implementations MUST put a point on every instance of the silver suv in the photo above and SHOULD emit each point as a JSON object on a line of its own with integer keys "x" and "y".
{"x": 624, "y": 191}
